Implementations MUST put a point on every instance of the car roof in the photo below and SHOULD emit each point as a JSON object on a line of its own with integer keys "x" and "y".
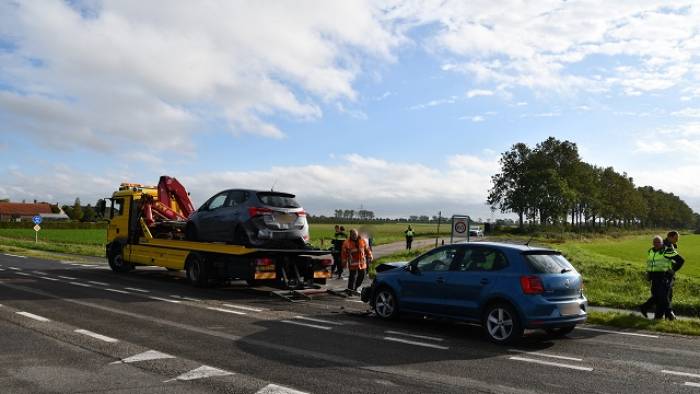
{"x": 258, "y": 191}
{"x": 507, "y": 245}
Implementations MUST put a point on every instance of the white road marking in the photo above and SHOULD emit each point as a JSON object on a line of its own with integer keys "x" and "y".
{"x": 204, "y": 371}
{"x": 226, "y": 310}
{"x": 90, "y": 265}
{"x": 2, "y": 269}
{"x": 551, "y": 364}
{"x": 98, "y": 283}
{"x": 15, "y": 268}
{"x": 634, "y": 334}
{"x": 335, "y": 323}
{"x": 164, "y": 299}
{"x": 49, "y": 278}
{"x": 359, "y": 301}
{"x": 546, "y": 355}
{"x": 408, "y": 342}
{"x": 245, "y": 308}
{"x": 414, "y": 335}
{"x": 80, "y": 284}
{"x": 118, "y": 291}
{"x": 692, "y": 384}
{"x": 14, "y": 255}
{"x": 306, "y": 325}
{"x": 135, "y": 289}
{"x": 145, "y": 356}
{"x": 33, "y": 316}
{"x": 690, "y": 375}
{"x": 275, "y": 389}
{"x": 23, "y": 274}
{"x": 186, "y": 298}
{"x": 40, "y": 272}
{"x": 67, "y": 277}
{"x": 76, "y": 264}
{"x": 97, "y": 336}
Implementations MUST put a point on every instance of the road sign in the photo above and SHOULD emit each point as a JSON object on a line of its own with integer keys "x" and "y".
{"x": 37, "y": 227}
{"x": 36, "y": 230}
{"x": 460, "y": 227}
{"x": 37, "y": 220}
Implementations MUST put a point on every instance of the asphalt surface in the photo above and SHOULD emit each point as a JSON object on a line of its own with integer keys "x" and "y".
{"x": 70, "y": 327}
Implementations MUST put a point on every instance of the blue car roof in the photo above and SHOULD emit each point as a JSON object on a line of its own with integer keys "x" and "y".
{"x": 511, "y": 246}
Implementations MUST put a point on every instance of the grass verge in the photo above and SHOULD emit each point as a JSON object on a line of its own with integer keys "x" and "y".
{"x": 628, "y": 320}
{"x": 40, "y": 254}
{"x": 74, "y": 249}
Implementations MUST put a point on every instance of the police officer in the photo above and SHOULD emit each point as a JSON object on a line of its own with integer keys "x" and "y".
{"x": 356, "y": 254}
{"x": 671, "y": 251}
{"x": 660, "y": 269}
{"x": 409, "y": 237}
{"x": 338, "y": 240}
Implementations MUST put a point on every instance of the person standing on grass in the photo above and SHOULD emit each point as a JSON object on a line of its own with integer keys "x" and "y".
{"x": 671, "y": 251}
{"x": 356, "y": 254}
{"x": 409, "y": 237}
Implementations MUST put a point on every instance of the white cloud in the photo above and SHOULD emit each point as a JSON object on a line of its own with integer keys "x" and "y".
{"x": 535, "y": 44}
{"x": 388, "y": 188}
{"x": 479, "y": 92}
{"x": 81, "y": 71}
{"x": 477, "y": 118}
{"x": 435, "y": 103}
{"x": 688, "y": 113}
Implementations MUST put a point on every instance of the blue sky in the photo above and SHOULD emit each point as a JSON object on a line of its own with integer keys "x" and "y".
{"x": 399, "y": 107}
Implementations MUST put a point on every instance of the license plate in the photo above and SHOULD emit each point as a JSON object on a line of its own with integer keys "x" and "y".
{"x": 284, "y": 218}
{"x": 569, "y": 309}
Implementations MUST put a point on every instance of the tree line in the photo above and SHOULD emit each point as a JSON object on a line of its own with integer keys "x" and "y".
{"x": 550, "y": 185}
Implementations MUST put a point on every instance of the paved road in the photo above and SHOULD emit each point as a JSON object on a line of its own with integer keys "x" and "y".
{"x": 70, "y": 328}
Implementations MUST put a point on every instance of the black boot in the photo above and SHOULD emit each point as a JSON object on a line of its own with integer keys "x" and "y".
{"x": 670, "y": 316}
{"x": 644, "y": 311}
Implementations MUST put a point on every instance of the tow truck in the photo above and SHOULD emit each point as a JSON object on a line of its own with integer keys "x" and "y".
{"x": 146, "y": 228}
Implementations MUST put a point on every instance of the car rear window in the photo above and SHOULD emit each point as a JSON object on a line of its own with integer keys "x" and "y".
{"x": 278, "y": 200}
{"x": 548, "y": 263}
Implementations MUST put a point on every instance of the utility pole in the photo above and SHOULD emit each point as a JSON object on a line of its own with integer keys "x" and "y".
{"x": 438, "y": 228}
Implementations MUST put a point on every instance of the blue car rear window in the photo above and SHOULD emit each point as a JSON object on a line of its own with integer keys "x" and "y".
{"x": 278, "y": 200}
{"x": 548, "y": 263}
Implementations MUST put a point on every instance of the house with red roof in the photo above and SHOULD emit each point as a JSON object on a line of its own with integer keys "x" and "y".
{"x": 20, "y": 212}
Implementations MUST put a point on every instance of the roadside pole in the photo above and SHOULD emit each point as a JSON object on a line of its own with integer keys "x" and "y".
{"x": 438, "y": 229}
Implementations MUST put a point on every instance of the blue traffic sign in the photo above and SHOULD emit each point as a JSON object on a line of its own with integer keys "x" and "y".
{"x": 36, "y": 219}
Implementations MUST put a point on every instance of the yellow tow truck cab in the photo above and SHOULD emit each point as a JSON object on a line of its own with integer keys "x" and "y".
{"x": 131, "y": 243}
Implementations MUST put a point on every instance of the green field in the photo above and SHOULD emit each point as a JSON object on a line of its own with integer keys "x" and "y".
{"x": 382, "y": 233}
{"x": 85, "y": 237}
{"x": 633, "y": 250}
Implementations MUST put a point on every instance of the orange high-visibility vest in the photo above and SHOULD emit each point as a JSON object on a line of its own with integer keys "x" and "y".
{"x": 356, "y": 253}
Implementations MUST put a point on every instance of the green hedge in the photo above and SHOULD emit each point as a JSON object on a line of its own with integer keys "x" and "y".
{"x": 58, "y": 225}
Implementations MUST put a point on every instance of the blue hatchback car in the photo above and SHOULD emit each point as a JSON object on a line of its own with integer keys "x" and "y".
{"x": 504, "y": 287}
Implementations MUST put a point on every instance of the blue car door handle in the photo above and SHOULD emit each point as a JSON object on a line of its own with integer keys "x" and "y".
{"x": 484, "y": 281}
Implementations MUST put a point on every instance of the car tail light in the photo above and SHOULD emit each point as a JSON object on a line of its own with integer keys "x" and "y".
{"x": 264, "y": 261}
{"x": 531, "y": 284}
{"x": 254, "y": 211}
{"x": 326, "y": 262}
{"x": 301, "y": 213}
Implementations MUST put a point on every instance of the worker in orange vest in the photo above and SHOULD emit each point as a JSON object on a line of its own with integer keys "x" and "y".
{"x": 355, "y": 256}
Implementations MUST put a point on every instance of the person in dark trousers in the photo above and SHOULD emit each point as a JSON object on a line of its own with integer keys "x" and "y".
{"x": 671, "y": 246}
{"x": 409, "y": 237}
{"x": 337, "y": 242}
{"x": 662, "y": 262}
{"x": 355, "y": 255}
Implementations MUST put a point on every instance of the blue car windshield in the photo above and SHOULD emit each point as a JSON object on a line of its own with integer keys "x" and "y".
{"x": 548, "y": 263}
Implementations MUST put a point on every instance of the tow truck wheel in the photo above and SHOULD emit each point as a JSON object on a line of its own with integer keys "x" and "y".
{"x": 116, "y": 260}
{"x": 197, "y": 270}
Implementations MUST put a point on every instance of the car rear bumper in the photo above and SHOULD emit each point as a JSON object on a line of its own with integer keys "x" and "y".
{"x": 559, "y": 314}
